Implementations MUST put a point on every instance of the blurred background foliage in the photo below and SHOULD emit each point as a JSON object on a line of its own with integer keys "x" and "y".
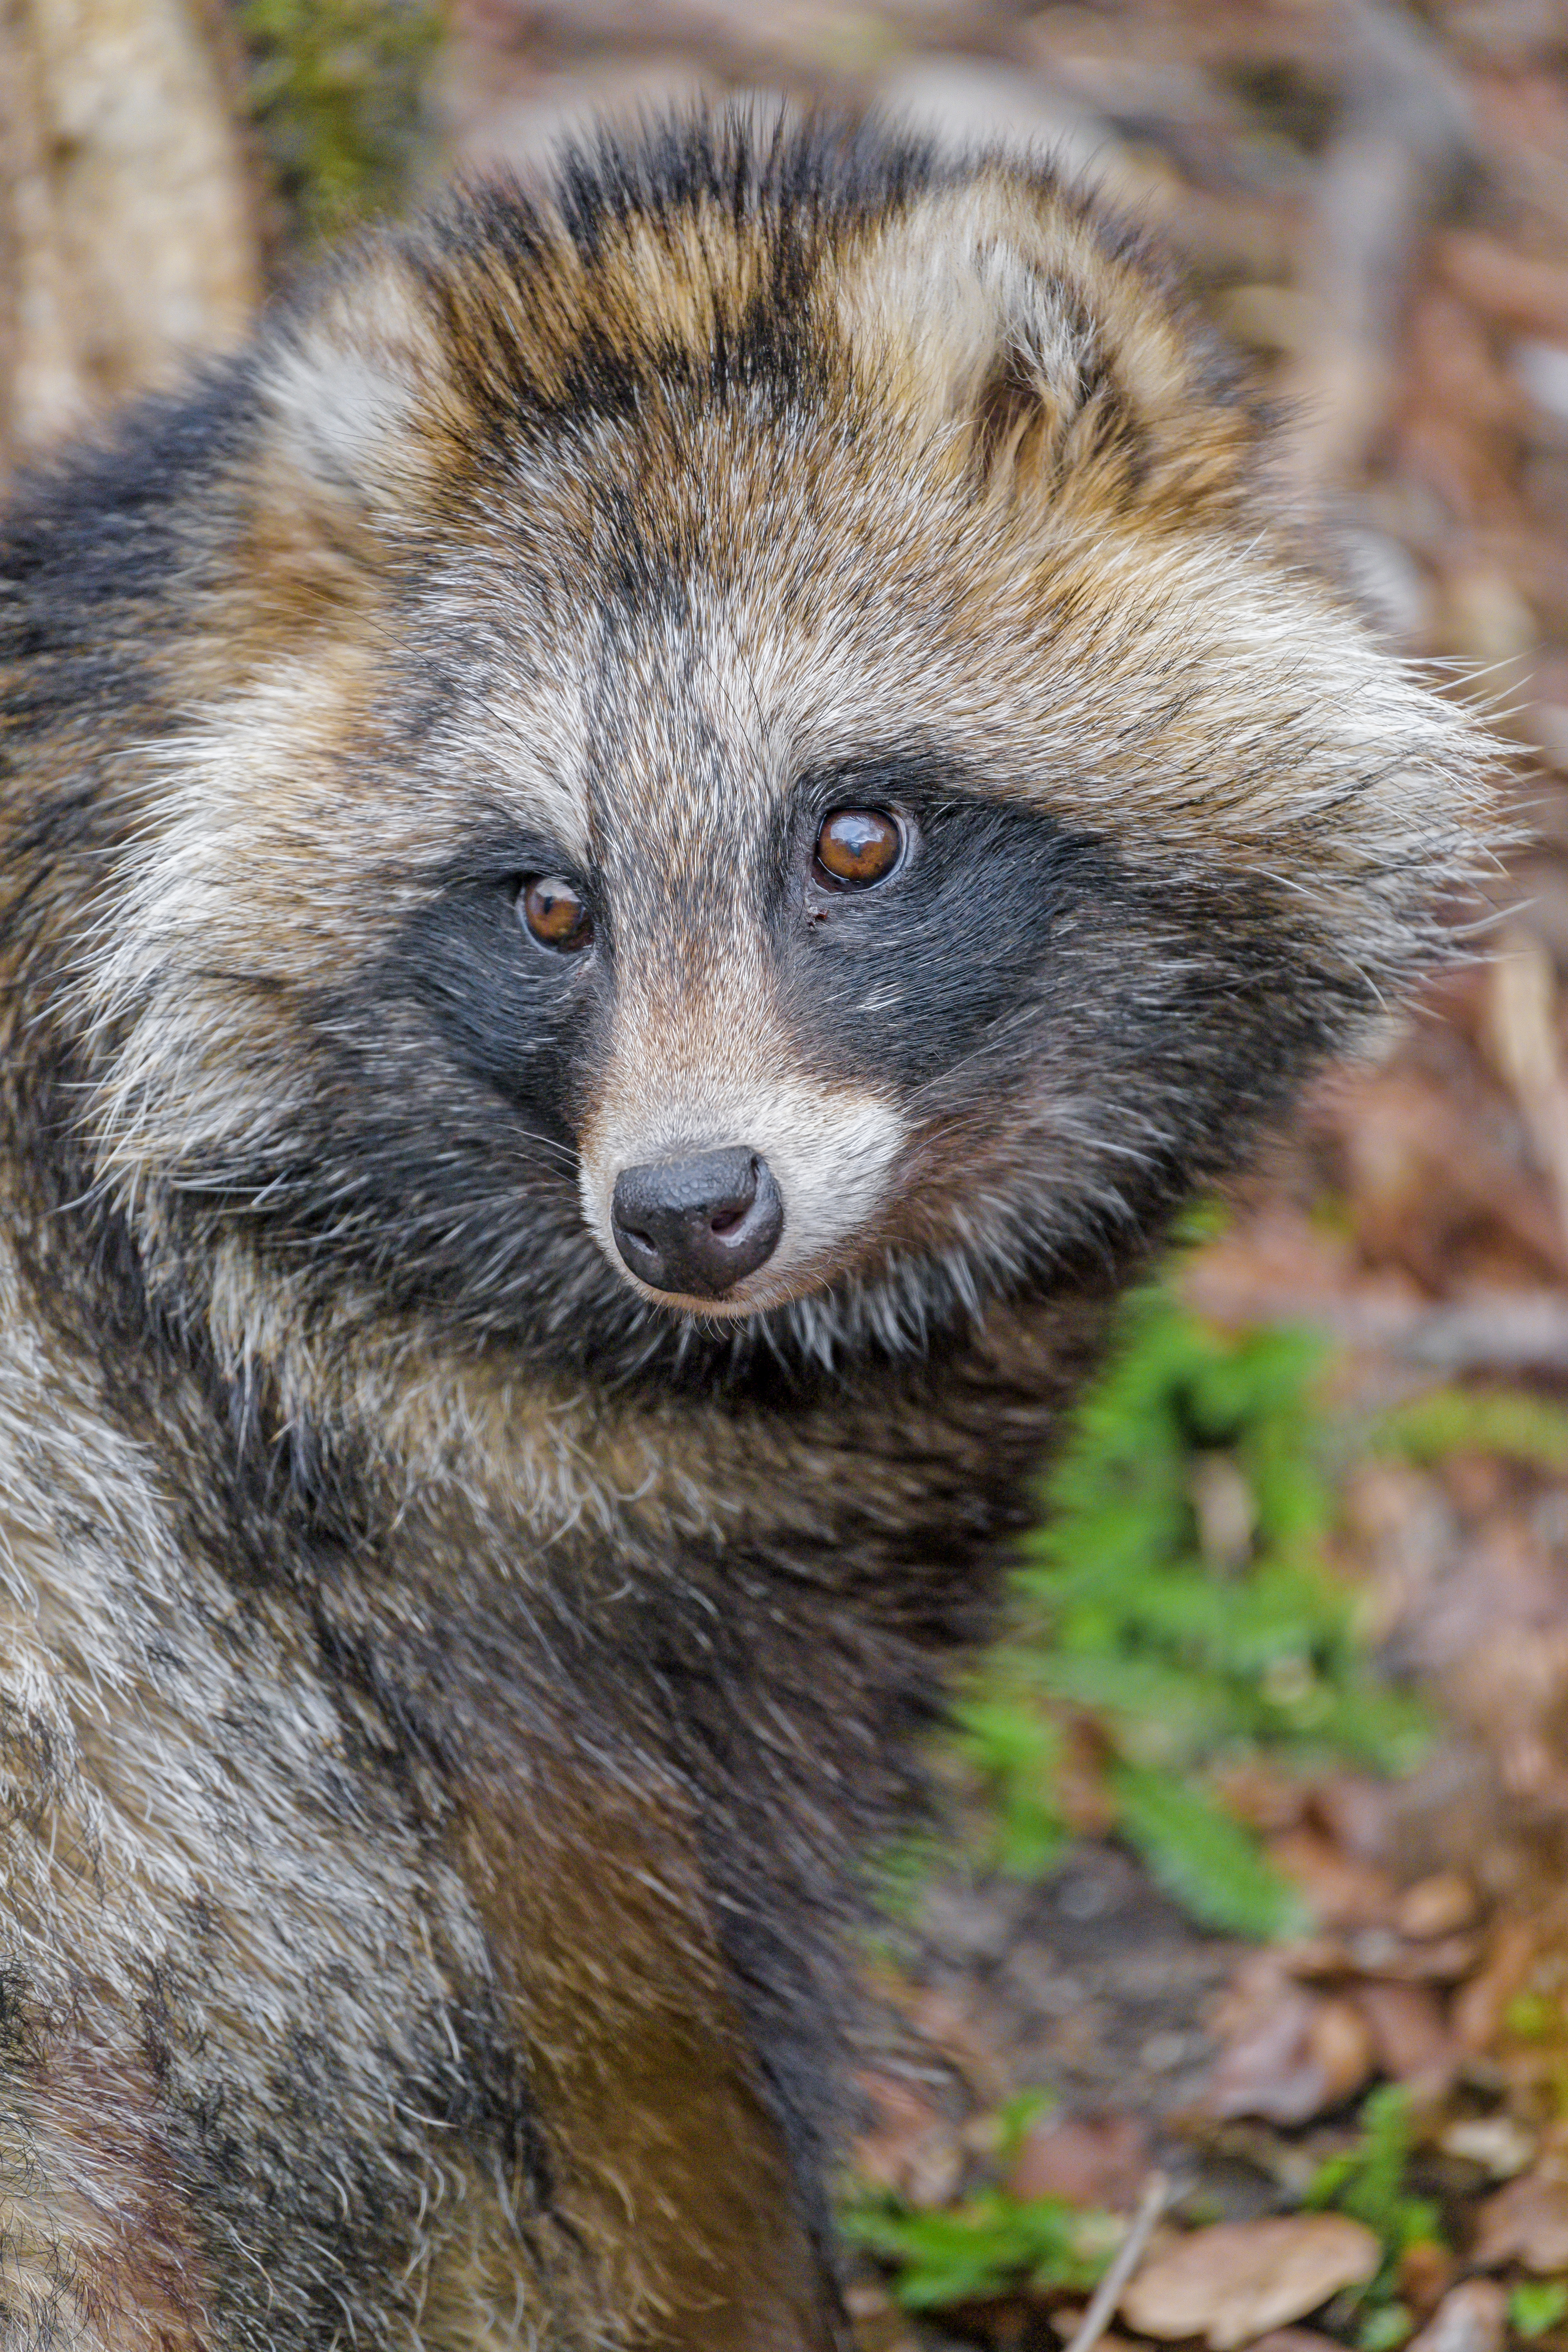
{"x": 1178, "y": 1609}
{"x": 336, "y": 91}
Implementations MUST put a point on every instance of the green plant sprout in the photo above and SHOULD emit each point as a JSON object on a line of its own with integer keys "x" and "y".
{"x": 1014, "y": 2121}
{"x": 991, "y": 2244}
{"x": 1536, "y": 2305}
{"x": 1368, "y": 2183}
{"x": 1177, "y": 1596}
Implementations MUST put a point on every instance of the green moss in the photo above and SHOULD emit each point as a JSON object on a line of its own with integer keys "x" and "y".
{"x": 1521, "y": 1428}
{"x": 336, "y": 92}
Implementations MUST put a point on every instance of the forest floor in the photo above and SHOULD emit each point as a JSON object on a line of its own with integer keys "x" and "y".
{"x": 1360, "y": 2118}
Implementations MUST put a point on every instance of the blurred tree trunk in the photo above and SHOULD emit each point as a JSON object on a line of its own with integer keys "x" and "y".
{"x": 127, "y": 237}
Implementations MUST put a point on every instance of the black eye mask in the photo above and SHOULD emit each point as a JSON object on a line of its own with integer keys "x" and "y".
{"x": 897, "y": 981}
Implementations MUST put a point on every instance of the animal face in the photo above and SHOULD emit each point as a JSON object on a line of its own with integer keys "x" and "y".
{"x": 767, "y": 777}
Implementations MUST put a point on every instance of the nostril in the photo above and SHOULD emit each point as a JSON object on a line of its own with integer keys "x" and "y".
{"x": 725, "y": 1214}
{"x": 697, "y": 1226}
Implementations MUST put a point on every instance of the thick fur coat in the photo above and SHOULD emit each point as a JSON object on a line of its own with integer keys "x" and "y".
{"x": 446, "y": 1681}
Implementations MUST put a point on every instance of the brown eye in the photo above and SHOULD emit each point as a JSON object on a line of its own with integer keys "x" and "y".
{"x": 857, "y": 847}
{"x": 554, "y": 911}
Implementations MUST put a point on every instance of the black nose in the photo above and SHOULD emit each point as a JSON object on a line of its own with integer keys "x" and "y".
{"x": 697, "y": 1225}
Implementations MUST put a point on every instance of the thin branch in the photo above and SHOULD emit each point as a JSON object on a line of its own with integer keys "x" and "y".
{"x": 1108, "y": 2294}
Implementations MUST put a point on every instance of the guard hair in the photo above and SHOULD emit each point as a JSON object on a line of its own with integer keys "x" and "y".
{"x": 642, "y": 856}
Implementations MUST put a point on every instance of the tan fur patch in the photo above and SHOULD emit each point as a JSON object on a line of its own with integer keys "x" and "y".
{"x": 94, "y": 2234}
{"x": 667, "y": 2171}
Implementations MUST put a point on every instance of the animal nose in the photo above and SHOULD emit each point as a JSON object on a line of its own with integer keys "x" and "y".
{"x": 697, "y": 1226}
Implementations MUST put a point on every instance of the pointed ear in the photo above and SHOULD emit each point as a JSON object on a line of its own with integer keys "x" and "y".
{"x": 1048, "y": 356}
{"x": 355, "y": 380}
{"x": 355, "y": 395}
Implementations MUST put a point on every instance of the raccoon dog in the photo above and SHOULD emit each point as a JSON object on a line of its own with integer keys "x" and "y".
{"x": 641, "y": 854}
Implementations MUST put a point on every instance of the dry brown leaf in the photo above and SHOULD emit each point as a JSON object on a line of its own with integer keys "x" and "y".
{"x": 1423, "y": 2274}
{"x": 910, "y": 2148}
{"x": 1499, "y": 2144}
{"x": 1375, "y": 1953}
{"x": 1234, "y": 2282}
{"x": 1357, "y": 1813}
{"x": 1270, "y": 1253}
{"x": 1530, "y": 297}
{"x": 1479, "y": 2007}
{"x": 1341, "y": 2048}
{"x": 1263, "y": 1794}
{"x": 956, "y": 2033}
{"x": 1296, "y": 2053}
{"x": 1088, "y": 2160}
{"x": 1436, "y": 1907}
{"x": 1470, "y": 2318}
{"x": 1342, "y": 1892}
{"x": 1526, "y": 2221}
{"x": 1409, "y": 2035}
{"x": 1312, "y": 1958}
{"x": 1430, "y": 1180}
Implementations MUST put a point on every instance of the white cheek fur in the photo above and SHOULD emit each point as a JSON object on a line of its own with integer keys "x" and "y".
{"x": 831, "y": 1150}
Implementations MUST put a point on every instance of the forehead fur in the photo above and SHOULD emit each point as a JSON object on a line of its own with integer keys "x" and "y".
{"x": 722, "y": 257}
{"x": 768, "y": 416}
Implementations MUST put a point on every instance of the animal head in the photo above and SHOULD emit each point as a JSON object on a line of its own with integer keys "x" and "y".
{"x": 752, "y": 763}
